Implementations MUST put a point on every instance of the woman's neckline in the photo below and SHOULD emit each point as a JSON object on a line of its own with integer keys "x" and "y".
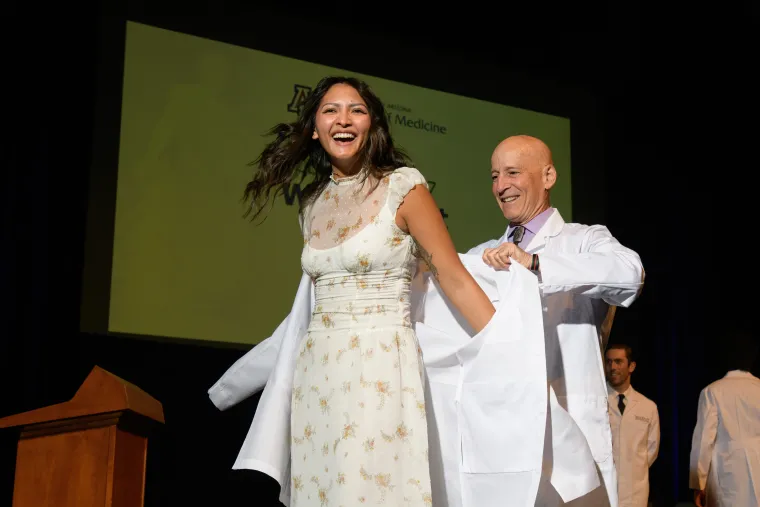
{"x": 344, "y": 180}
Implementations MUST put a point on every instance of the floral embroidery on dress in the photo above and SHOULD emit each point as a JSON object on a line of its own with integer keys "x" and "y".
{"x": 358, "y": 420}
{"x": 394, "y": 241}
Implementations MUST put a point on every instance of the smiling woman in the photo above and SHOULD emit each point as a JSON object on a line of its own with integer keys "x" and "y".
{"x": 342, "y": 125}
{"x": 352, "y": 109}
{"x": 357, "y": 413}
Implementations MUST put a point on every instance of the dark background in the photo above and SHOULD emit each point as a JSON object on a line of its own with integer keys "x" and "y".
{"x": 663, "y": 108}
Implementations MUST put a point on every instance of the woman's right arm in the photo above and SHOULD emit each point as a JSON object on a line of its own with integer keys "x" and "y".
{"x": 420, "y": 216}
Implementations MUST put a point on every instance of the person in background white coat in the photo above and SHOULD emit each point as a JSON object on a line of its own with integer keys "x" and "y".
{"x": 635, "y": 425}
{"x": 584, "y": 272}
{"x": 724, "y": 466}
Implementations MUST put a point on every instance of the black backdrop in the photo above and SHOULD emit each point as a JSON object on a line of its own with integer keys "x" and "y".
{"x": 663, "y": 145}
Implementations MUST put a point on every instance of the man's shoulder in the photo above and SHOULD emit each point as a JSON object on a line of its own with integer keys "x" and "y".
{"x": 646, "y": 402}
{"x": 730, "y": 382}
{"x": 583, "y": 229}
{"x": 579, "y": 237}
{"x": 556, "y": 225}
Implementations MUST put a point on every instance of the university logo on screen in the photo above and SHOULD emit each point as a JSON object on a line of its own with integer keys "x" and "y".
{"x": 300, "y": 94}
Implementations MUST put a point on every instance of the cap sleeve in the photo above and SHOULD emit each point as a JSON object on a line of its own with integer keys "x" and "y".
{"x": 402, "y": 181}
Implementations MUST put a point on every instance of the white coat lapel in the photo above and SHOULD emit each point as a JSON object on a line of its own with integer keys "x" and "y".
{"x": 551, "y": 228}
{"x": 633, "y": 400}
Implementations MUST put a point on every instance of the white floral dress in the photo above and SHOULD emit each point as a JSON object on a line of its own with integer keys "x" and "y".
{"x": 358, "y": 428}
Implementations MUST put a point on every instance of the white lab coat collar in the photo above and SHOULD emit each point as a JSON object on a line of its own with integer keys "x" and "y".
{"x": 739, "y": 373}
{"x": 633, "y": 397}
{"x": 611, "y": 390}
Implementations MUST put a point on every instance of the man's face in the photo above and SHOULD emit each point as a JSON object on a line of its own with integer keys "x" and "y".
{"x": 520, "y": 182}
{"x": 617, "y": 367}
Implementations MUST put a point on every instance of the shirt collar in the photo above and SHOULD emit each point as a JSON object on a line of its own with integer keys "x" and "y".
{"x": 534, "y": 224}
{"x": 627, "y": 393}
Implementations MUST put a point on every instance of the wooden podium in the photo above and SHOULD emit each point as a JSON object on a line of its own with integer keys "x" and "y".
{"x": 89, "y": 451}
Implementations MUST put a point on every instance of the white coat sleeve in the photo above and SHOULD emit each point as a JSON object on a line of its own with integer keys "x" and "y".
{"x": 703, "y": 441}
{"x": 603, "y": 269}
{"x": 653, "y": 439}
{"x": 249, "y": 374}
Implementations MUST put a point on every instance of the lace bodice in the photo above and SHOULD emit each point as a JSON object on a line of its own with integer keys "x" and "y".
{"x": 358, "y": 257}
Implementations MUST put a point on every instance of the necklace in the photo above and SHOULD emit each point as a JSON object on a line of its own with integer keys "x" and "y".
{"x": 344, "y": 180}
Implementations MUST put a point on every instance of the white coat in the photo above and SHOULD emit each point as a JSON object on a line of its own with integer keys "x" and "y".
{"x": 487, "y": 397}
{"x": 725, "y": 447}
{"x": 584, "y": 271}
{"x": 635, "y": 445}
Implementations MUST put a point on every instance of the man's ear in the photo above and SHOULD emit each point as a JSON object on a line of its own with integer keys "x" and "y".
{"x": 550, "y": 176}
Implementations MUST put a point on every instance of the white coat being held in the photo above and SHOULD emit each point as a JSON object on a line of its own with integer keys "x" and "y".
{"x": 584, "y": 271}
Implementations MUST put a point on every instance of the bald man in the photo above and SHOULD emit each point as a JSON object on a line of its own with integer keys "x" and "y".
{"x": 584, "y": 273}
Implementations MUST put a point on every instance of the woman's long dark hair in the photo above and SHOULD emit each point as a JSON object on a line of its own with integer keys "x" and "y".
{"x": 293, "y": 155}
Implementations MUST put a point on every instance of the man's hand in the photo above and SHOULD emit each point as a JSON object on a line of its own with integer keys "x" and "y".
{"x": 499, "y": 257}
{"x": 699, "y": 498}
